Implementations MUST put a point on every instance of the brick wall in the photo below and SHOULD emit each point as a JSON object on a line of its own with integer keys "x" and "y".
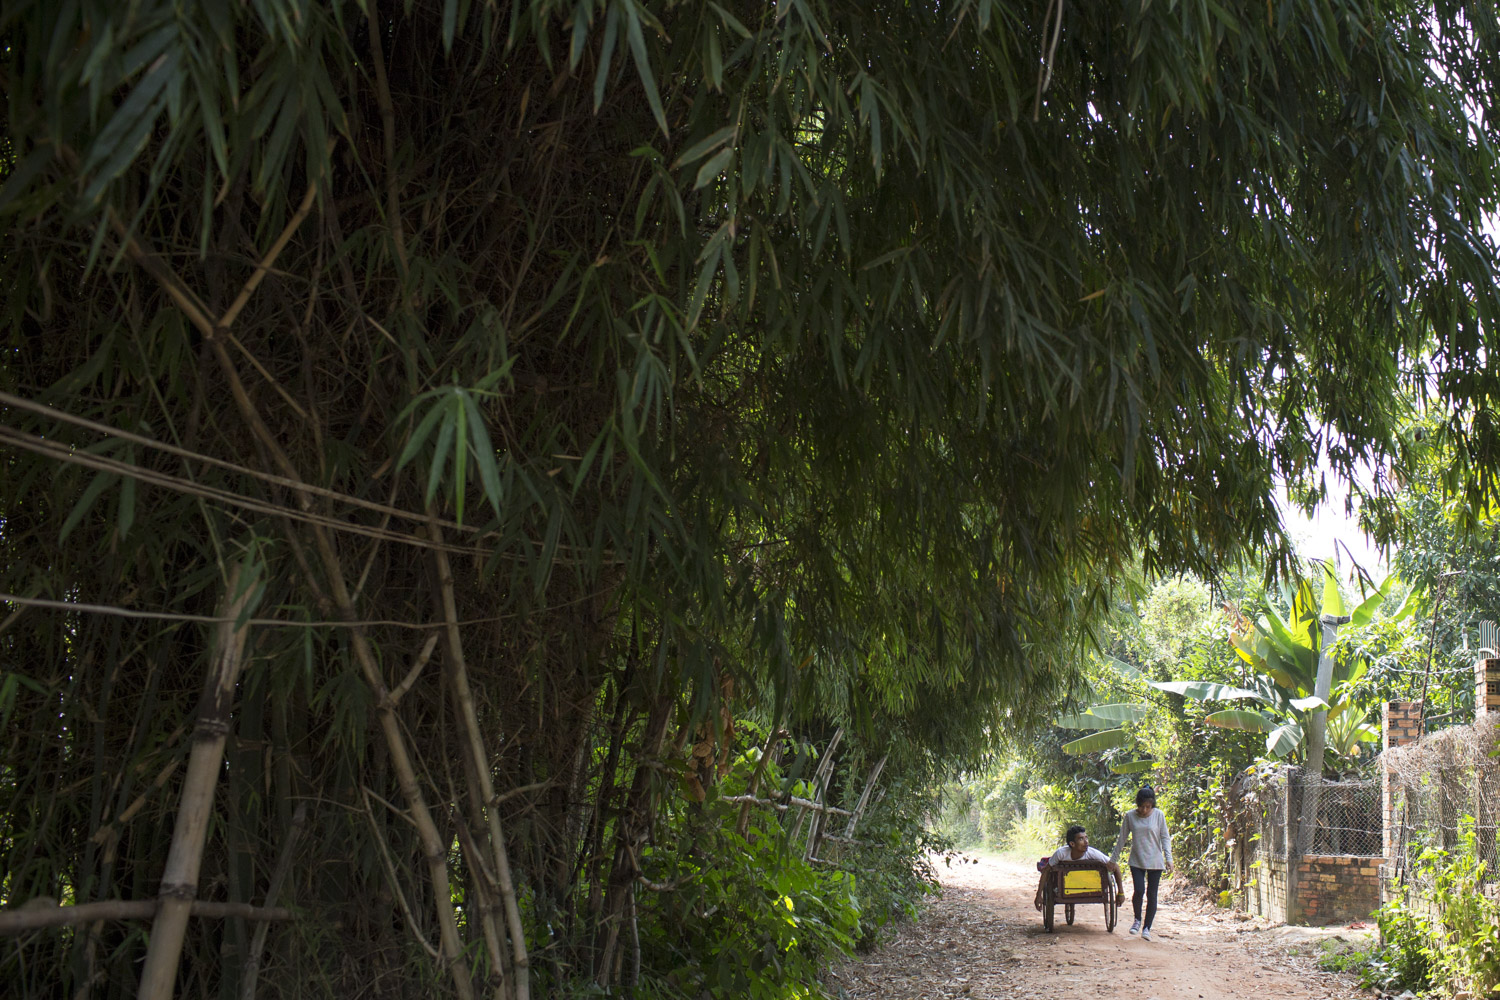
{"x": 1335, "y": 889}
{"x": 1487, "y": 687}
{"x": 1266, "y": 893}
{"x": 1339, "y": 889}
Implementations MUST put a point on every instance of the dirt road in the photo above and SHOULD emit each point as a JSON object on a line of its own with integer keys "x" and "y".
{"x": 982, "y": 940}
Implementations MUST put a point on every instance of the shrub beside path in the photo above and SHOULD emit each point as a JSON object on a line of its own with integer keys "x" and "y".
{"x": 982, "y": 940}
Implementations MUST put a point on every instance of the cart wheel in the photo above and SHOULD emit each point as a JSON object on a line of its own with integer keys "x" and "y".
{"x": 1047, "y": 909}
{"x": 1068, "y": 910}
{"x": 1111, "y": 913}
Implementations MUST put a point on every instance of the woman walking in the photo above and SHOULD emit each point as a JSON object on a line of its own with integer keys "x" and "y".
{"x": 1150, "y": 854}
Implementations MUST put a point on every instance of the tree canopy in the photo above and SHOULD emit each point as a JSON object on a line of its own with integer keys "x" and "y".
{"x": 818, "y": 363}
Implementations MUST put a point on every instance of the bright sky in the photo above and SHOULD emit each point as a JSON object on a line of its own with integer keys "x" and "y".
{"x": 1326, "y": 534}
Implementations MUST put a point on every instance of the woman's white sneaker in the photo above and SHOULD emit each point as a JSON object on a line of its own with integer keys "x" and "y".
{"x": 1146, "y": 934}
{"x": 1135, "y": 928}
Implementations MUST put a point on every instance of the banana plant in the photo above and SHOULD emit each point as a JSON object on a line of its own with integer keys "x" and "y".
{"x": 1111, "y": 723}
{"x": 1284, "y": 652}
{"x": 1349, "y": 729}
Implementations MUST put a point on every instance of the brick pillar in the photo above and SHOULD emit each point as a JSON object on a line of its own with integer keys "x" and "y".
{"x": 1486, "y": 702}
{"x": 1399, "y": 722}
{"x": 1486, "y": 687}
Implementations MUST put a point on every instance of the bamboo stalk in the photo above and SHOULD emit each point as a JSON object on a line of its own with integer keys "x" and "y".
{"x": 433, "y": 847}
{"x": 742, "y": 824}
{"x": 820, "y": 776}
{"x": 464, "y": 697}
{"x": 179, "y": 881}
{"x": 278, "y": 878}
{"x": 28, "y": 918}
{"x": 390, "y": 874}
{"x": 434, "y": 851}
{"x": 630, "y": 830}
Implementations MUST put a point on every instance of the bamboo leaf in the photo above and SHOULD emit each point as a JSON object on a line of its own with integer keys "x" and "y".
{"x": 440, "y": 452}
{"x": 96, "y": 486}
{"x": 484, "y": 454}
{"x": 460, "y": 452}
{"x": 706, "y": 145}
{"x": 643, "y": 64}
{"x": 419, "y": 435}
{"x": 713, "y": 168}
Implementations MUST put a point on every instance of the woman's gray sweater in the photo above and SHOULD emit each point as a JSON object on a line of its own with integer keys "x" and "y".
{"x": 1150, "y": 841}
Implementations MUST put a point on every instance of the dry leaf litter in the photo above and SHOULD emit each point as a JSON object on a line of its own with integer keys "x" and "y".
{"x": 981, "y": 939}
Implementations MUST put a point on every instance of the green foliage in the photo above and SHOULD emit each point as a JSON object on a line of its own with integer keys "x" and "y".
{"x": 1445, "y": 931}
{"x": 801, "y": 363}
{"x": 751, "y": 920}
{"x": 1031, "y": 838}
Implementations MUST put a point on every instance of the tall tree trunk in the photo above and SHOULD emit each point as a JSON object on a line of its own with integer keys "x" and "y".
{"x": 1312, "y": 775}
{"x": 179, "y": 880}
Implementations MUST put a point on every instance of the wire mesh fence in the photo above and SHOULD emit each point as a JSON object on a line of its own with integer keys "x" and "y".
{"x": 1443, "y": 787}
{"x": 1347, "y": 815}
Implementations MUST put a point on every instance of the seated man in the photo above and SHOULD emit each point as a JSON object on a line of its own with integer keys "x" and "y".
{"x": 1078, "y": 849}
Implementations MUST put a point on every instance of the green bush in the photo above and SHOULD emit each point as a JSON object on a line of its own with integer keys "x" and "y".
{"x": 754, "y": 921}
{"x": 1459, "y": 950}
{"x": 1032, "y": 837}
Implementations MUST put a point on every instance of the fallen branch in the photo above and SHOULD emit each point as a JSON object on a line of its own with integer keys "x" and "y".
{"x": 800, "y": 803}
{"x": 37, "y": 917}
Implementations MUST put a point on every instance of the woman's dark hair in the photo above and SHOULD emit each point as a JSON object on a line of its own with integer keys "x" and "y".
{"x": 1073, "y": 831}
{"x": 1146, "y": 794}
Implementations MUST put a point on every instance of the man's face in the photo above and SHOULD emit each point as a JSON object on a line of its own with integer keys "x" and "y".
{"x": 1080, "y": 843}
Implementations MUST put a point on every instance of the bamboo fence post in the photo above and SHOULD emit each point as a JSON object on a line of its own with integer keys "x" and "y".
{"x": 864, "y": 797}
{"x": 464, "y": 695}
{"x": 179, "y": 880}
{"x": 820, "y": 776}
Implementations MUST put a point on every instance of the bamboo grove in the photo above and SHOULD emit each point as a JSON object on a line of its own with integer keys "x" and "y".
{"x": 471, "y": 474}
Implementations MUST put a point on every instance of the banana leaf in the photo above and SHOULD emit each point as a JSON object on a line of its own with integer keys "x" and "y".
{"x": 1333, "y": 601}
{"x": 1133, "y": 766}
{"x": 1309, "y": 704}
{"x": 1129, "y": 671}
{"x": 1236, "y": 718}
{"x": 1284, "y": 739}
{"x": 1362, "y": 615}
{"x": 1205, "y": 690}
{"x": 1094, "y": 742}
{"x": 1083, "y": 720}
{"x": 1132, "y": 711}
{"x": 1414, "y": 600}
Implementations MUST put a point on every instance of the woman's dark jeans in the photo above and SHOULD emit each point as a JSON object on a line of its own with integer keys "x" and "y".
{"x": 1145, "y": 881}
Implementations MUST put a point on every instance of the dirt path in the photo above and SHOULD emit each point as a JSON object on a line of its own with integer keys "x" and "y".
{"x": 983, "y": 940}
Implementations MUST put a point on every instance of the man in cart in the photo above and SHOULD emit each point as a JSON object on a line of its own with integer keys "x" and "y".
{"x": 1077, "y": 849}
